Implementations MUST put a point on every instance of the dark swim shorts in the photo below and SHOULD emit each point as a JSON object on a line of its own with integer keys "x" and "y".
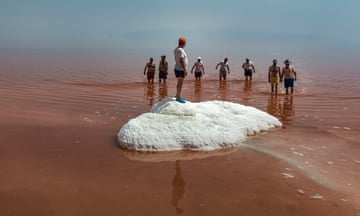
{"x": 198, "y": 74}
{"x": 179, "y": 74}
{"x": 248, "y": 72}
{"x": 163, "y": 74}
{"x": 288, "y": 83}
{"x": 150, "y": 75}
{"x": 222, "y": 73}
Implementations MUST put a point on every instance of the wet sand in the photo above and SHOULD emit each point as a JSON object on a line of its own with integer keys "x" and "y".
{"x": 59, "y": 154}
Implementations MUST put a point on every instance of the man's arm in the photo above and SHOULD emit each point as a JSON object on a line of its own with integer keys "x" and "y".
{"x": 166, "y": 66}
{"x": 145, "y": 68}
{"x": 192, "y": 69}
{"x": 182, "y": 62}
{"x": 278, "y": 70}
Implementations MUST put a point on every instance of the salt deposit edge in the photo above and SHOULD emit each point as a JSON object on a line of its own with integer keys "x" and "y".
{"x": 200, "y": 126}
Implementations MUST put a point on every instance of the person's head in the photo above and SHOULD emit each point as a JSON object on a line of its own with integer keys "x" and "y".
{"x": 274, "y": 62}
{"x": 287, "y": 62}
{"x": 225, "y": 60}
{"x": 199, "y": 59}
{"x": 247, "y": 60}
{"x": 163, "y": 57}
{"x": 151, "y": 59}
{"x": 182, "y": 41}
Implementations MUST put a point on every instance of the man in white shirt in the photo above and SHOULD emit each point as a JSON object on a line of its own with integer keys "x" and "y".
{"x": 249, "y": 68}
{"x": 181, "y": 64}
{"x": 224, "y": 67}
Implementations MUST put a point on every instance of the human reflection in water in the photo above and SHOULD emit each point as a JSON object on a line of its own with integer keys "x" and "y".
{"x": 247, "y": 86}
{"x": 222, "y": 89}
{"x": 288, "y": 110}
{"x": 197, "y": 91}
{"x": 274, "y": 106}
{"x": 149, "y": 93}
{"x": 178, "y": 191}
{"x": 163, "y": 90}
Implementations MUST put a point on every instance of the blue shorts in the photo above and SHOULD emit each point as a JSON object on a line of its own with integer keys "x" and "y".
{"x": 248, "y": 72}
{"x": 179, "y": 74}
{"x": 289, "y": 83}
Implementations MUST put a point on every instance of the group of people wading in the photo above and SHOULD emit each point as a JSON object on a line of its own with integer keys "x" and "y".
{"x": 275, "y": 74}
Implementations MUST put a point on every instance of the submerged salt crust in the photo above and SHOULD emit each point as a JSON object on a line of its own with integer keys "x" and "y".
{"x": 201, "y": 126}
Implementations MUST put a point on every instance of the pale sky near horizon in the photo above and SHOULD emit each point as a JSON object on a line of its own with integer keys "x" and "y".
{"x": 141, "y": 28}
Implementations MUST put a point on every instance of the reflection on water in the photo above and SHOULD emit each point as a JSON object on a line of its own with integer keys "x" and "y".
{"x": 248, "y": 94}
{"x": 288, "y": 110}
{"x": 282, "y": 108}
{"x": 163, "y": 90}
{"x": 197, "y": 91}
{"x": 274, "y": 106}
{"x": 149, "y": 93}
{"x": 247, "y": 86}
{"x": 223, "y": 90}
{"x": 178, "y": 191}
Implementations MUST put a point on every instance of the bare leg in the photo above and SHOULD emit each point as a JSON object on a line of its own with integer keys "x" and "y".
{"x": 276, "y": 88}
{"x": 179, "y": 84}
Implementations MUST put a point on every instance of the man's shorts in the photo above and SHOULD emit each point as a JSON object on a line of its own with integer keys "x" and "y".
{"x": 274, "y": 80}
{"x": 163, "y": 75}
{"x": 248, "y": 72}
{"x": 289, "y": 83}
{"x": 150, "y": 75}
{"x": 198, "y": 74}
{"x": 222, "y": 73}
{"x": 179, "y": 74}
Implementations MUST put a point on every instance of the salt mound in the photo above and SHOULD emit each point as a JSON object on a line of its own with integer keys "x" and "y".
{"x": 193, "y": 126}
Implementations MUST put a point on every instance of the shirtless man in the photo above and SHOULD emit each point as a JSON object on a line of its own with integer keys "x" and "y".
{"x": 249, "y": 69}
{"x": 149, "y": 70}
{"x": 163, "y": 69}
{"x": 274, "y": 76}
{"x": 224, "y": 67}
{"x": 199, "y": 69}
{"x": 289, "y": 74}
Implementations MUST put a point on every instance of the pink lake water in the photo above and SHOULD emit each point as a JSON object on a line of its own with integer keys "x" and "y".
{"x": 59, "y": 154}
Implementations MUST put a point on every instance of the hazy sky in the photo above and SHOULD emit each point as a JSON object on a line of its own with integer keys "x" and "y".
{"x": 263, "y": 29}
